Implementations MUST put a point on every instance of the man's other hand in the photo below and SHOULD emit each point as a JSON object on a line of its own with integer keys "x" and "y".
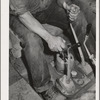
{"x": 73, "y": 10}
{"x": 56, "y": 43}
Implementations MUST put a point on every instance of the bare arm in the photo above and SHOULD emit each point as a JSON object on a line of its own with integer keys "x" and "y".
{"x": 54, "y": 43}
{"x": 33, "y": 25}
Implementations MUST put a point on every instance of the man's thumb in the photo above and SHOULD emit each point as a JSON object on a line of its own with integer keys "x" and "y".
{"x": 66, "y": 6}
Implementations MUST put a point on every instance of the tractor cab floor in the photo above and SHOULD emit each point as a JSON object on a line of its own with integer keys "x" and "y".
{"x": 19, "y": 83}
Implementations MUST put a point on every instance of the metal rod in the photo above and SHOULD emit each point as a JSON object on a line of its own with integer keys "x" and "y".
{"x": 79, "y": 48}
{"x": 87, "y": 50}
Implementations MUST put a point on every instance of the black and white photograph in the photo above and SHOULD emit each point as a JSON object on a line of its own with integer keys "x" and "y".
{"x": 52, "y": 48}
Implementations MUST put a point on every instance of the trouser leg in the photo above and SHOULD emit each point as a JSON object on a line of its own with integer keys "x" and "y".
{"x": 33, "y": 50}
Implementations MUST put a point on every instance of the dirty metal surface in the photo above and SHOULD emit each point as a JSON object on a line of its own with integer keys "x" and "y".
{"x": 21, "y": 90}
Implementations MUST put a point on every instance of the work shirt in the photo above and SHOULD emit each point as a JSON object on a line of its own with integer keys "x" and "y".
{"x": 18, "y": 7}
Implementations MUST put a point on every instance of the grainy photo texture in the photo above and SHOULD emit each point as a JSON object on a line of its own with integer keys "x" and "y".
{"x": 52, "y": 49}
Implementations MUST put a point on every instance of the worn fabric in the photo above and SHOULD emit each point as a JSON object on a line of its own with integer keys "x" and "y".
{"x": 33, "y": 45}
{"x": 33, "y": 51}
{"x": 21, "y": 6}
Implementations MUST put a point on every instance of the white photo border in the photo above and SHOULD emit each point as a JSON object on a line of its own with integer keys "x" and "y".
{"x": 5, "y": 49}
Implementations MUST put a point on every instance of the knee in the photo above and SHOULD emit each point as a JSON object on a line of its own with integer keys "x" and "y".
{"x": 33, "y": 43}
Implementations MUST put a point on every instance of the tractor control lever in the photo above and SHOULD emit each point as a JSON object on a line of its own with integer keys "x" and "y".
{"x": 88, "y": 29}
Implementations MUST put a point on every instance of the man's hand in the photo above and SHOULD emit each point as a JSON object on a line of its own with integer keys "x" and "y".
{"x": 56, "y": 43}
{"x": 73, "y": 10}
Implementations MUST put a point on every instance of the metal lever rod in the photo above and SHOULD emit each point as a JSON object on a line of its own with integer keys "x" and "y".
{"x": 84, "y": 43}
{"x": 90, "y": 56}
{"x": 79, "y": 48}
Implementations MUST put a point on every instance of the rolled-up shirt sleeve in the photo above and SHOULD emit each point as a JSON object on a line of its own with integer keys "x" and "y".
{"x": 19, "y": 7}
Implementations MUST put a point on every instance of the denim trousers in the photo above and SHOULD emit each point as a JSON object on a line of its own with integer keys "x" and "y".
{"x": 33, "y": 45}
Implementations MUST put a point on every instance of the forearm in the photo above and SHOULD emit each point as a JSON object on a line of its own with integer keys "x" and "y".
{"x": 33, "y": 25}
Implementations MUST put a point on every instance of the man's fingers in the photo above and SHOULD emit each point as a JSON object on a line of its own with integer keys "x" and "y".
{"x": 55, "y": 49}
{"x": 63, "y": 40}
{"x": 59, "y": 48}
{"x": 72, "y": 17}
{"x": 74, "y": 13}
{"x": 66, "y": 6}
{"x": 58, "y": 44}
{"x": 75, "y": 8}
{"x": 63, "y": 45}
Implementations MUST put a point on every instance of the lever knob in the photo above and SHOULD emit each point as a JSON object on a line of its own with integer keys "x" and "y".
{"x": 88, "y": 28}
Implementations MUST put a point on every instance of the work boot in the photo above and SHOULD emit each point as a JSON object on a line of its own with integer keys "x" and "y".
{"x": 53, "y": 94}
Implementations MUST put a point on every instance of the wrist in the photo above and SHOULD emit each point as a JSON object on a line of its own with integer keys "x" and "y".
{"x": 47, "y": 36}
